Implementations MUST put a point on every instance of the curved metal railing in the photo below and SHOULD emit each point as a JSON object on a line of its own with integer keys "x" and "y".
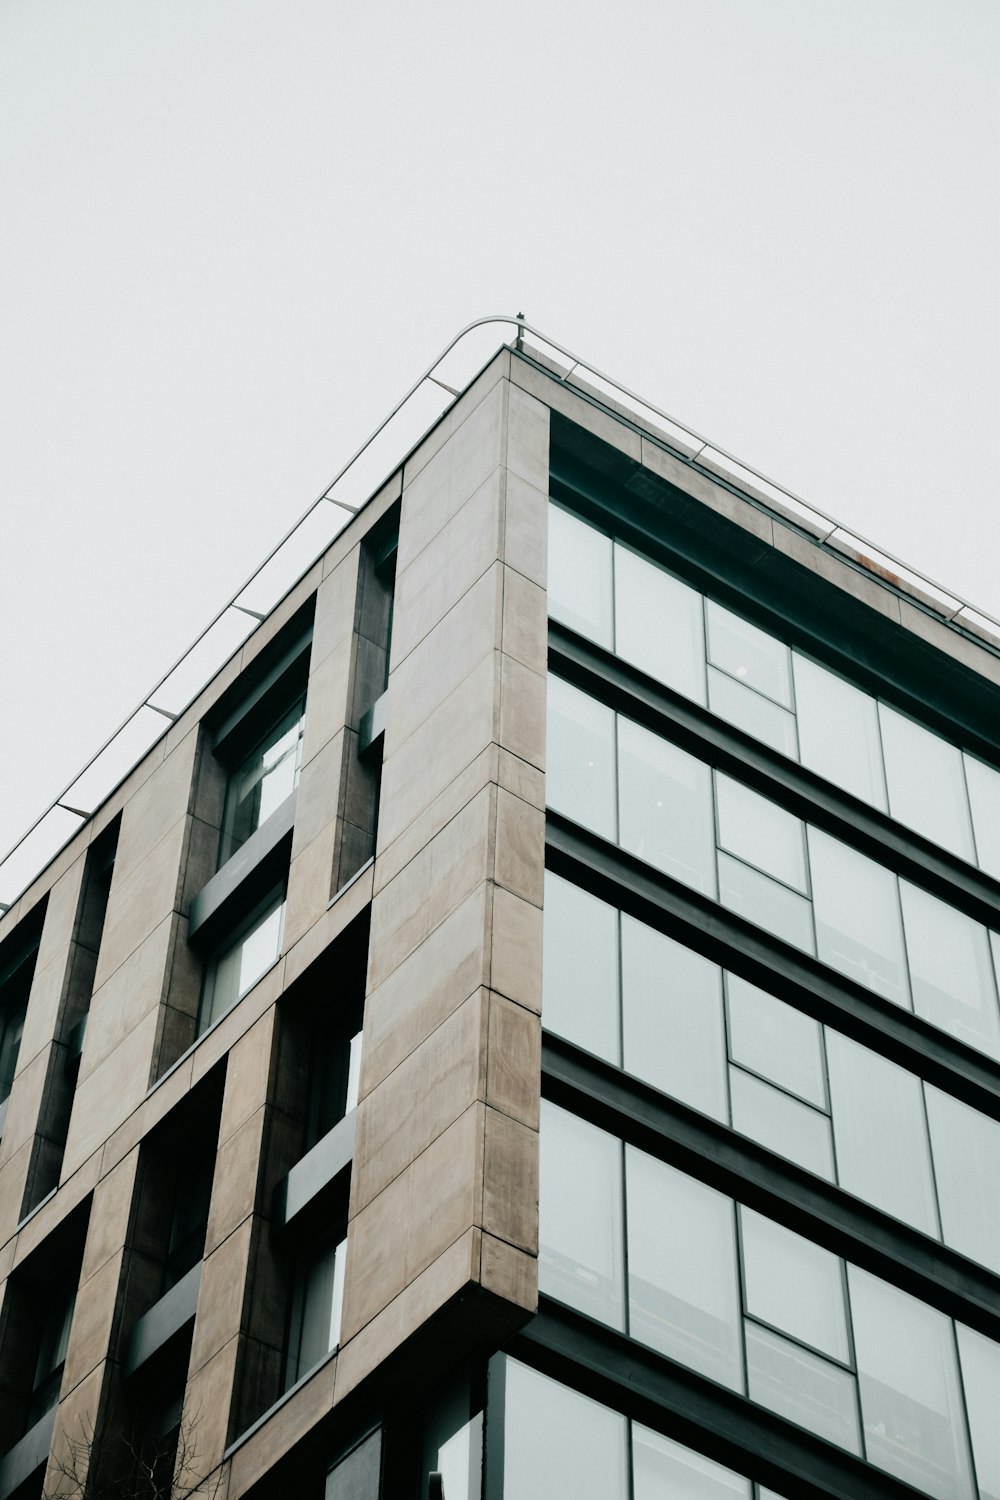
{"x": 365, "y": 471}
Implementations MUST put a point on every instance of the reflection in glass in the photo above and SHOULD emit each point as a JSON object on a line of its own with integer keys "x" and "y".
{"x": 926, "y": 783}
{"x": 838, "y": 731}
{"x": 878, "y": 1125}
{"x": 781, "y": 1123}
{"x": 801, "y": 1386}
{"x": 759, "y": 832}
{"x": 666, "y": 807}
{"x": 580, "y": 969}
{"x": 581, "y": 758}
{"x": 746, "y": 709}
{"x": 682, "y": 1286}
{"x": 794, "y": 1285}
{"x": 555, "y": 1441}
{"x": 663, "y": 1468}
{"x": 317, "y": 1299}
{"x": 580, "y": 1216}
{"x": 858, "y": 927}
{"x": 911, "y": 1404}
{"x": 262, "y": 781}
{"x": 244, "y": 961}
{"x": 966, "y": 1148}
{"x": 950, "y": 969}
{"x": 658, "y": 624}
{"x": 773, "y": 1039}
{"x": 580, "y": 577}
{"x": 760, "y": 899}
{"x": 983, "y": 784}
{"x": 749, "y": 654}
{"x": 980, "y": 1361}
{"x": 672, "y": 1018}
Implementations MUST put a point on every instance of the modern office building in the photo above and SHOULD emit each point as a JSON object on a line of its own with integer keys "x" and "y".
{"x": 315, "y": 1180}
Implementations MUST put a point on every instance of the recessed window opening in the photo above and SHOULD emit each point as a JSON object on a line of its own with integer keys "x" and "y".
{"x": 262, "y": 780}
{"x": 244, "y": 958}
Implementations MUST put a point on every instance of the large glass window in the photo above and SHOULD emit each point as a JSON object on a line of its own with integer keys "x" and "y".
{"x": 243, "y": 960}
{"x": 665, "y": 801}
{"x": 314, "y": 1319}
{"x": 580, "y": 588}
{"x": 658, "y": 624}
{"x": 580, "y": 753}
{"x": 262, "y": 780}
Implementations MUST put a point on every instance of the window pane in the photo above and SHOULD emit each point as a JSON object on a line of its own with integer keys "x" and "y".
{"x": 580, "y": 970}
{"x": 794, "y": 1284}
{"x": 261, "y": 947}
{"x": 926, "y": 784}
{"x": 674, "y": 1033}
{"x": 557, "y": 1442}
{"x": 263, "y": 780}
{"x": 878, "y": 1125}
{"x": 581, "y": 765}
{"x": 757, "y": 831}
{"x": 980, "y": 1359}
{"x": 662, "y": 1468}
{"x": 950, "y": 970}
{"x": 666, "y": 807}
{"x": 838, "y": 731}
{"x": 580, "y": 1216}
{"x": 781, "y": 1123}
{"x": 658, "y": 624}
{"x": 746, "y": 709}
{"x": 984, "y": 794}
{"x": 966, "y": 1149}
{"x": 239, "y": 966}
{"x": 858, "y": 927}
{"x": 773, "y": 1039}
{"x": 910, "y": 1401}
{"x": 683, "y": 1294}
{"x": 749, "y": 654}
{"x": 760, "y": 899}
{"x": 802, "y": 1387}
{"x": 580, "y": 576}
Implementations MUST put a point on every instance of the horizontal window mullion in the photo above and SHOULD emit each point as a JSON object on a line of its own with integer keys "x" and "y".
{"x": 674, "y": 1400}
{"x": 631, "y": 692}
{"x": 739, "y": 1167}
{"x": 700, "y": 923}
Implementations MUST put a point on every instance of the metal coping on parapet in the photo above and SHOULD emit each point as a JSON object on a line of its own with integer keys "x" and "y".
{"x": 343, "y": 498}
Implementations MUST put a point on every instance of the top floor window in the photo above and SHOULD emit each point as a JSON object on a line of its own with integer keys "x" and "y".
{"x": 262, "y": 780}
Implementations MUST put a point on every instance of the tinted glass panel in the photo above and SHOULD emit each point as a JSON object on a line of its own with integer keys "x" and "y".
{"x": 769, "y": 1037}
{"x": 580, "y": 576}
{"x": 746, "y": 709}
{"x": 802, "y": 1387}
{"x": 748, "y": 654}
{"x": 672, "y": 1017}
{"x": 580, "y": 1216}
{"x": 683, "y": 1295}
{"x": 581, "y": 758}
{"x": 950, "y": 970}
{"x": 761, "y": 833}
{"x": 838, "y": 731}
{"x": 662, "y": 1469}
{"x": 659, "y": 624}
{"x": 580, "y": 970}
{"x": 666, "y": 807}
{"x": 966, "y": 1148}
{"x": 926, "y": 783}
{"x": 980, "y": 1361}
{"x": 911, "y": 1406}
{"x": 762, "y": 900}
{"x": 781, "y": 1123}
{"x": 983, "y": 784}
{"x": 557, "y": 1442}
{"x": 794, "y": 1285}
{"x": 858, "y": 927}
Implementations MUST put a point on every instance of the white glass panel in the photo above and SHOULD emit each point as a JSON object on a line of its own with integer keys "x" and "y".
{"x": 802, "y": 1387}
{"x": 580, "y": 968}
{"x": 665, "y": 801}
{"x": 580, "y": 577}
{"x": 966, "y": 1149}
{"x": 747, "y": 653}
{"x": 580, "y": 1216}
{"x": 794, "y": 1284}
{"x": 926, "y": 784}
{"x": 950, "y": 970}
{"x": 984, "y": 794}
{"x": 761, "y": 833}
{"x": 760, "y": 899}
{"x": 773, "y": 1039}
{"x": 746, "y": 709}
{"x": 980, "y": 1360}
{"x": 658, "y": 624}
{"x": 838, "y": 731}
{"x": 911, "y": 1405}
{"x": 672, "y": 1017}
{"x": 683, "y": 1294}
{"x": 581, "y": 764}
{"x": 662, "y": 1469}
{"x": 260, "y": 948}
{"x": 858, "y": 926}
{"x": 878, "y": 1125}
{"x": 781, "y": 1123}
{"x": 239, "y": 966}
{"x": 557, "y": 1442}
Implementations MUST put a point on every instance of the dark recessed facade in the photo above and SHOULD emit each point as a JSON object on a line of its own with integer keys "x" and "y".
{"x": 315, "y": 1179}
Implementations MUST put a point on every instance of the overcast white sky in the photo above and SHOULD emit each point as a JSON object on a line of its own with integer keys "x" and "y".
{"x": 232, "y": 232}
